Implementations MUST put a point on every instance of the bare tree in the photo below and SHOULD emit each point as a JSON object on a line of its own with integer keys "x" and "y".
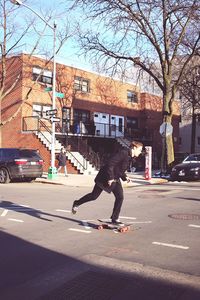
{"x": 190, "y": 97}
{"x": 12, "y": 39}
{"x": 158, "y": 36}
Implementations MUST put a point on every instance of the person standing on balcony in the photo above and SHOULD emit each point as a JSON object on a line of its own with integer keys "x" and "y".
{"x": 108, "y": 179}
{"x": 62, "y": 161}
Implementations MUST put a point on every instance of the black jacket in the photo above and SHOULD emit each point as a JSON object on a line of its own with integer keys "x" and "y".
{"x": 115, "y": 168}
{"x": 62, "y": 159}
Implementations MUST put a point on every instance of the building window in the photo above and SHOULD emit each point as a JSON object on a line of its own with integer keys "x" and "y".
{"x": 40, "y": 110}
{"x": 81, "y": 84}
{"x": 132, "y": 97}
{"x": 43, "y": 76}
{"x": 198, "y": 140}
{"x": 81, "y": 115}
{"x": 180, "y": 141}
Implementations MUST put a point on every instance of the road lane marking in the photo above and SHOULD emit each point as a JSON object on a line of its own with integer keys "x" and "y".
{"x": 4, "y": 213}
{"x": 16, "y": 220}
{"x": 142, "y": 222}
{"x": 131, "y": 218}
{"x": 79, "y": 230}
{"x": 193, "y": 225}
{"x": 171, "y": 245}
{"x": 64, "y": 210}
{"x": 85, "y": 224}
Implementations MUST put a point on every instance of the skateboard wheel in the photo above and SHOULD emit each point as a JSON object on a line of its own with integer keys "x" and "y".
{"x": 123, "y": 229}
{"x": 99, "y": 227}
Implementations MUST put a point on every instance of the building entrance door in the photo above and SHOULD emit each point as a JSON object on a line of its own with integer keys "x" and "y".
{"x": 116, "y": 125}
{"x": 101, "y": 121}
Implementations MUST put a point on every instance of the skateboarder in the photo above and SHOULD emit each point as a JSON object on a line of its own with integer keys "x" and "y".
{"x": 108, "y": 179}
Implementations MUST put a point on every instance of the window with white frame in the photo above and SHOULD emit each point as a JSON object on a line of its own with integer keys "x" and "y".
{"x": 132, "y": 97}
{"x": 39, "y": 110}
{"x": 43, "y": 76}
{"x": 81, "y": 84}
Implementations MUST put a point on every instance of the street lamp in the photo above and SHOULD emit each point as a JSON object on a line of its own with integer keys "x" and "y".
{"x": 52, "y": 171}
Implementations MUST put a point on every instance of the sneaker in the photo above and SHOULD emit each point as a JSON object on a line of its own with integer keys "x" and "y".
{"x": 74, "y": 208}
{"x": 117, "y": 222}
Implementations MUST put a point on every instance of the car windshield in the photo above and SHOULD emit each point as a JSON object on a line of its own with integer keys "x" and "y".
{"x": 193, "y": 158}
{"x": 29, "y": 154}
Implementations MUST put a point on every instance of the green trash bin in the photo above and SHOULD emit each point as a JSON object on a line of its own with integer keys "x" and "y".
{"x": 52, "y": 173}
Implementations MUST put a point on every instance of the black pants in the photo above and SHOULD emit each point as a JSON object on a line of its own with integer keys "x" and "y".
{"x": 118, "y": 193}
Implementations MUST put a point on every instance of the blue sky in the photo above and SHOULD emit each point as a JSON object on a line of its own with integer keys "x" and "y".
{"x": 68, "y": 53}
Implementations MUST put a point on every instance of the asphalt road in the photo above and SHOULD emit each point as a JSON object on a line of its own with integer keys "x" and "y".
{"x": 45, "y": 250}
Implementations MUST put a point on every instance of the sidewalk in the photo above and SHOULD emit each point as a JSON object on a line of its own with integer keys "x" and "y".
{"x": 88, "y": 180}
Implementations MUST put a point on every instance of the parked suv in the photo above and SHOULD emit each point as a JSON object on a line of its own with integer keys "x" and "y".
{"x": 17, "y": 163}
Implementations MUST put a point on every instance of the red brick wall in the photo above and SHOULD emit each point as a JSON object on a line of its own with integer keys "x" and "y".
{"x": 13, "y": 137}
{"x": 106, "y": 96}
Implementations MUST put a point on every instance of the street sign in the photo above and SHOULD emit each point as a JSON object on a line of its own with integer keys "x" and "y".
{"x": 53, "y": 119}
{"x": 166, "y": 129}
{"x": 59, "y": 95}
{"x": 51, "y": 112}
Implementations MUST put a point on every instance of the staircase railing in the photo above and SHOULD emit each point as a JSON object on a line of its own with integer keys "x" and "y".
{"x": 83, "y": 164}
{"x": 44, "y": 127}
{"x": 35, "y": 124}
{"x": 88, "y": 153}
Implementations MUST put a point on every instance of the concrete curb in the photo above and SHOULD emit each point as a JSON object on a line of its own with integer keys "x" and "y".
{"x": 88, "y": 180}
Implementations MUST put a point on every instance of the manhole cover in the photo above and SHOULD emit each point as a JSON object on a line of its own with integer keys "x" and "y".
{"x": 184, "y": 216}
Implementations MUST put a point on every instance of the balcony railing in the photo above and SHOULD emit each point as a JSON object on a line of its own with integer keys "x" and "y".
{"x": 73, "y": 128}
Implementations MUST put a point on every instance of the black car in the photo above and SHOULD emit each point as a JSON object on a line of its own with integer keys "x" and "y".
{"x": 189, "y": 169}
{"x": 16, "y": 163}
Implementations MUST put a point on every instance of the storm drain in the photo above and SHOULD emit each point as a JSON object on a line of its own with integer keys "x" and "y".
{"x": 90, "y": 285}
{"x": 184, "y": 216}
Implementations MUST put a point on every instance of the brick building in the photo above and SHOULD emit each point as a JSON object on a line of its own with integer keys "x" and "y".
{"x": 96, "y": 113}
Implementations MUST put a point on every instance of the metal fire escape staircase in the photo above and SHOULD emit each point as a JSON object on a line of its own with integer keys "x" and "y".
{"x": 124, "y": 142}
{"x": 76, "y": 158}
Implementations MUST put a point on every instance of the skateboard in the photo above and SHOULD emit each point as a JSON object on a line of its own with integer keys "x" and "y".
{"x": 104, "y": 224}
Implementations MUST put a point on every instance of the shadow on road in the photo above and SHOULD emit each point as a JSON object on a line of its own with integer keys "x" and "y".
{"x": 184, "y": 198}
{"x": 39, "y": 214}
{"x": 29, "y": 271}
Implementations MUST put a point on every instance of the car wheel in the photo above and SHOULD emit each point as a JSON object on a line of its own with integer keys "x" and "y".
{"x": 4, "y": 176}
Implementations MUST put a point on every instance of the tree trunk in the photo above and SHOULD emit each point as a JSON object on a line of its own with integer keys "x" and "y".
{"x": 167, "y": 142}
